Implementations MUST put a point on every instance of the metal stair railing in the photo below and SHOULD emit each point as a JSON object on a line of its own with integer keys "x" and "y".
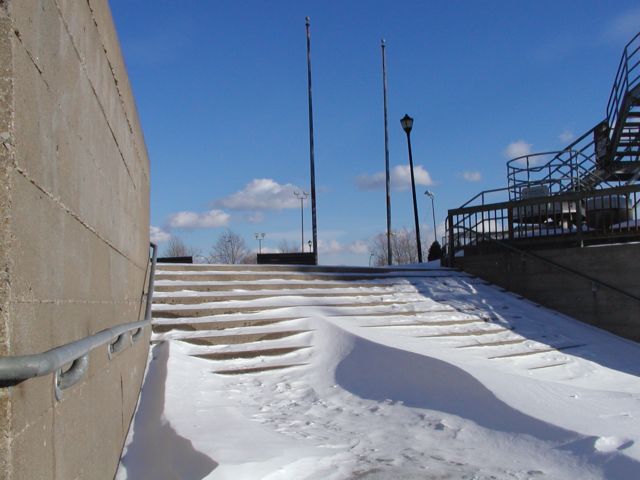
{"x": 585, "y": 169}
{"x": 627, "y": 79}
{"x": 560, "y": 217}
{"x": 16, "y": 369}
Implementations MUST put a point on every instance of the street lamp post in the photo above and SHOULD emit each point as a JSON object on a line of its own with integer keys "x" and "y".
{"x": 259, "y": 237}
{"x": 407, "y": 124}
{"x": 302, "y": 196}
{"x": 433, "y": 212}
{"x": 310, "y": 244}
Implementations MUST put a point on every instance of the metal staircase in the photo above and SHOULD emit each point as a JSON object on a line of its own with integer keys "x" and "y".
{"x": 586, "y": 193}
{"x": 606, "y": 155}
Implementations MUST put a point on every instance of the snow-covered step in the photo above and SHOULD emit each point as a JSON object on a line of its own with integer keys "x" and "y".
{"x": 190, "y": 267}
{"x": 215, "y": 275}
{"x": 166, "y": 326}
{"x": 181, "y": 298}
{"x": 250, "y": 353}
{"x": 237, "y": 338}
{"x": 226, "y": 286}
{"x": 206, "y": 310}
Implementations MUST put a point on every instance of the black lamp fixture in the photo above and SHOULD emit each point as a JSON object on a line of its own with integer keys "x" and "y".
{"x": 407, "y": 123}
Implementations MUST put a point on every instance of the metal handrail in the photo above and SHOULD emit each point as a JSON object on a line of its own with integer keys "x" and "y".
{"x": 16, "y": 369}
{"x": 623, "y": 82}
{"x": 578, "y": 273}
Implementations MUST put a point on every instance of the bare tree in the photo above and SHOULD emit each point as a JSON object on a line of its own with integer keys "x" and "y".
{"x": 229, "y": 248}
{"x": 177, "y": 248}
{"x": 403, "y": 247}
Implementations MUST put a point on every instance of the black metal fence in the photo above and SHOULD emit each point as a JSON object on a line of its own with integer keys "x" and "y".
{"x": 584, "y": 217}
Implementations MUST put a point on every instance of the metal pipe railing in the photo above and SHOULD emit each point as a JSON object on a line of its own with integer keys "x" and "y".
{"x": 16, "y": 369}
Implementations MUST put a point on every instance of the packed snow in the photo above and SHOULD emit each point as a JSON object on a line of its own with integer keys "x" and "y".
{"x": 447, "y": 377}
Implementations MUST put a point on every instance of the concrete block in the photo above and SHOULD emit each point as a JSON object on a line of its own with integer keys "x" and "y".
{"x": 30, "y": 401}
{"x": 33, "y": 450}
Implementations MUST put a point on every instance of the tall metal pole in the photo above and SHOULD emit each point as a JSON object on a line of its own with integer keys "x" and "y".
{"x": 386, "y": 152}
{"x": 311, "y": 149}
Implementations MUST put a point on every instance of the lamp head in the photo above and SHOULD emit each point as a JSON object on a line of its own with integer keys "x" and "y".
{"x": 407, "y": 123}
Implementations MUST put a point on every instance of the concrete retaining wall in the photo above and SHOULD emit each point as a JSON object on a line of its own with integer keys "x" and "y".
{"x": 74, "y": 208}
{"x": 617, "y": 265}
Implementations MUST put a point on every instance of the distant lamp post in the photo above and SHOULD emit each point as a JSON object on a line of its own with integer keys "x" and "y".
{"x": 259, "y": 237}
{"x": 310, "y": 244}
{"x": 302, "y": 196}
{"x": 407, "y": 124}
{"x": 433, "y": 212}
{"x": 371, "y": 255}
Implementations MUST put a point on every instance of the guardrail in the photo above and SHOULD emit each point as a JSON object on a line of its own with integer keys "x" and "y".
{"x": 582, "y": 216}
{"x": 14, "y": 370}
{"x": 627, "y": 78}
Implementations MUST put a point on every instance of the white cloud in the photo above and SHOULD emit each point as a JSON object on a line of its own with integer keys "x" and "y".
{"x": 400, "y": 178}
{"x": 209, "y": 219}
{"x": 330, "y": 246}
{"x": 255, "y": 217}
{"x": 158, "y": 235}
{"x": 623, "y": 27}
{"x": 262, "y": 194}
{"x": 519, "y": 148}
{"x": 566, "y": 136}
{"x": 358, "y": 247}
{"x": 471, "y": 176}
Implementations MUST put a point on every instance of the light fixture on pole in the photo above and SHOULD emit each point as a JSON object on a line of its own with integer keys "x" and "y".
{"x": 259, "y": 237}
{"x": 407, "y": 125}
{"x": 310, "y": 244}
{"x": 371, "y": 255}
{"x": 302, "y": 196}
{"x": 430, "y": 194}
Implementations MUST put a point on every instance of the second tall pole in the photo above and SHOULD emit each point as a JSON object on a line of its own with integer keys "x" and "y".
{"x": 314, "y": 224}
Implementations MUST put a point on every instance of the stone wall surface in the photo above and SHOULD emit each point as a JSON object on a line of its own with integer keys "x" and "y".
{"x": 74, "y": 216}
{"x": 581, "y": 298}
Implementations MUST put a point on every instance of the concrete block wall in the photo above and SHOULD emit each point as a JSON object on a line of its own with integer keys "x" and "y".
{"x": 617, "y": 265}
{"x": 74, "y": 232}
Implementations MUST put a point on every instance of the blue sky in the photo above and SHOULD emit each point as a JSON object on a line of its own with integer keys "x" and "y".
{"x": 221, "y": 92}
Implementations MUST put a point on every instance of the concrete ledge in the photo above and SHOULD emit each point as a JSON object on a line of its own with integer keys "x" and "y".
{"x": 287, "y": 258}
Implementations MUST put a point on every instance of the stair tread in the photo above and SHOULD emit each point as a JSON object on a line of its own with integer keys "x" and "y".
{"x": 249, "y": 353}
{"x": 241, "y": 371}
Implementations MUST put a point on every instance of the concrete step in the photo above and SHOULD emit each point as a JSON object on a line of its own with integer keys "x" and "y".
{"x": 262, "y": 352}
{"x": 199, "y": 267}
{"x": 469, "y": 333}
{"x": 217, "y": 325}
{"x": 427, "y": 323}
{"x": 194, "y": 299}
{"x": 239, "y": 338}
{"x": 212, "y": 311}
{"x": 229, "y": 286}
{"x": 266, "y": 368}
{"x": 208, "y": 276}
